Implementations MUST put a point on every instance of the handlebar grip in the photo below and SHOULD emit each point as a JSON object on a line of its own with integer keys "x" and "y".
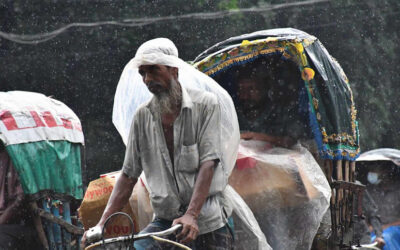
{"x": 93, "y": 234}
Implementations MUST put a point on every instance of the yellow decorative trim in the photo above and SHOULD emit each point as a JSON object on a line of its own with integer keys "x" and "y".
{"x": 307, "y": 74}
{"x": 239, "y": 59}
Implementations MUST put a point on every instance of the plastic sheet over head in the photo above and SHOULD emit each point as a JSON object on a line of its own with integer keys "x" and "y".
{"x": 132, "y": 93}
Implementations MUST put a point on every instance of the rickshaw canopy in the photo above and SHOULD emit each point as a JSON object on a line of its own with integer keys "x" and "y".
{"x": 381, "y": 154}
{"x": 331, "y": 110}
{"x": 42, "y": 136}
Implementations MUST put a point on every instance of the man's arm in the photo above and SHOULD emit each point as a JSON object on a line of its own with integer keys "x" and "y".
{"x": 119, "y": 196}
{"x": 280, "y": 141}
{"x": 190, "y": 228}
{"x": 118, "y": 199}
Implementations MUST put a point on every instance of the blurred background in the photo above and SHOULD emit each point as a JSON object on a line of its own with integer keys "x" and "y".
{"x": 76, "y": 50}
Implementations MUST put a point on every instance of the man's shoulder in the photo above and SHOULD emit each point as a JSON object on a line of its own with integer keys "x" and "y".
{"x": 202, "y": 97}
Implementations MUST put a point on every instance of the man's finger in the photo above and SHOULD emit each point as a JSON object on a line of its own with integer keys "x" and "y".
{"x": 191, "y": 236}
{"x": 184, "y": 232}
{"x": 176, "y": 221}
{"x": 196, "y": 233}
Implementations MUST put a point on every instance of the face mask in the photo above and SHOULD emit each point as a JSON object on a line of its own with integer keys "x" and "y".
{"x": 373, "y": 178}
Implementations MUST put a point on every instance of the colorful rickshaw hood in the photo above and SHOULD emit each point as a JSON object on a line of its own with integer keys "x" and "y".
{"x": 332, "y": 113}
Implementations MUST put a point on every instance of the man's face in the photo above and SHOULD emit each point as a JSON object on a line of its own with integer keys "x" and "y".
{"x": 158, "y": 77}
{"x": 251, "y": 94}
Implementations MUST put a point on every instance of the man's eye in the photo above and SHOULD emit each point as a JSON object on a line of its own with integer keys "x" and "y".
{"x": 141, "y": 72}
{"x": 154, "y": 68}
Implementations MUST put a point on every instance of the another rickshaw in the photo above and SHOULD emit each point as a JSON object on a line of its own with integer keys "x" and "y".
{"x": 44, "y": 140}
{"x": 379, "y": 170}
{"x": 305, "y": 77}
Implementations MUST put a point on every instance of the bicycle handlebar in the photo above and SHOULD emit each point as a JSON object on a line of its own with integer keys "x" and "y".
{"x": 161, "y": 233}
{"x": 135, "y": 237}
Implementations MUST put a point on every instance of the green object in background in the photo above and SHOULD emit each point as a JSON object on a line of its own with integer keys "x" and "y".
{"x": 48, "y": 166}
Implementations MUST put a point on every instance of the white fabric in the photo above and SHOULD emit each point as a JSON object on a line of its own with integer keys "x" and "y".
{"x": 30, "y": 117}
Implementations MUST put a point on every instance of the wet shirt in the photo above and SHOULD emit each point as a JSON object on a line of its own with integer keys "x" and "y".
{"x": 197, "y": 138}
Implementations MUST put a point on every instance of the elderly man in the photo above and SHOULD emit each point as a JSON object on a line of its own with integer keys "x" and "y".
{"x": 175, "y": 140}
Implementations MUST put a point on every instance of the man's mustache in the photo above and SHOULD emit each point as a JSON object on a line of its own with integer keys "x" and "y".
{"x": 153, "y": 84}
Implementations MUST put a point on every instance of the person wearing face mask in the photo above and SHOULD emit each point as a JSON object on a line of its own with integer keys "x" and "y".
{"x": 381, "y": 203}
{"x": 373, "y": 178}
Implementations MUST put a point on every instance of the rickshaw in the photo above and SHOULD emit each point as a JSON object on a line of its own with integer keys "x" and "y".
{"x": 379, "y": 170}
{"x": 44, "y": 140}
{"x": 323, "y": 98}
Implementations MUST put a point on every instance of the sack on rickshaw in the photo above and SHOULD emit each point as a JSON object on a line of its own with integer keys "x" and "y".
{"x": 94, "y": 203}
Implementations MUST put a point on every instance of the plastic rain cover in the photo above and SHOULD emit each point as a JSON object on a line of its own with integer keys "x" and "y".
{"x": 286, "y": 190}
{"x": 132, "y": 93}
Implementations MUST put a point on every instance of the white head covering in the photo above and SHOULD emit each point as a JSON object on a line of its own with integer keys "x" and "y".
{"x": 132, "y": 93}
{"x": 157, "y": 51}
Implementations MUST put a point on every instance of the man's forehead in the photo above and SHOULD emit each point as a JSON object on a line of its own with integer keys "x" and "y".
{"x": 150, "y": 66}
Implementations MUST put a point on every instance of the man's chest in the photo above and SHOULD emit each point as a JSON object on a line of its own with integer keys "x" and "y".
{"x": 161, "y": 135}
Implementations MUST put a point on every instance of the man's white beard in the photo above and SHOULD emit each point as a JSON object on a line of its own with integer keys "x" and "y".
{"x": 168, "y": 100}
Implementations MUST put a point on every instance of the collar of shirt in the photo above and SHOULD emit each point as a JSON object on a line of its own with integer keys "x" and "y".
{"x": 186, "y": 100}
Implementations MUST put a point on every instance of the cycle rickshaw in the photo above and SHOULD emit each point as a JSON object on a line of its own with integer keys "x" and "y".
{"x": 320, "y": 92}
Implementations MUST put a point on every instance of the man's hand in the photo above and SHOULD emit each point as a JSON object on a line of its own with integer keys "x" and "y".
{"x": 247, "y": 135}
{"x": 381, "y": 242}
{"x": 190, "y": 229}
{"x": 96, "y": 230}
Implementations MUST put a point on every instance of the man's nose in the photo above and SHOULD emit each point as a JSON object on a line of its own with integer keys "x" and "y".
{"x": 147, "y": 79}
